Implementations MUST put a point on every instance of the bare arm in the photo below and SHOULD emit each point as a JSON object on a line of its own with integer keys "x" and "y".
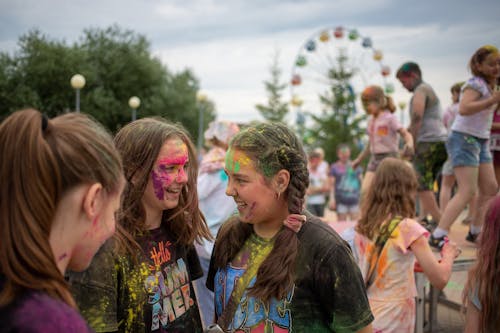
{"x": 409, "y": 148}
{"x": 332, "y": 205}
{"x": 471, "y": 318}
{"x": 437, "y": 272}
{"x": 417, "y": 108}
{"x": 366, "y": 329}
{"x": 361, "y": 156}
{"x": 469, "y": 103}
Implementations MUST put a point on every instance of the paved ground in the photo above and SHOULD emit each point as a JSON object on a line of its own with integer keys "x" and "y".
{"x": 448, "y": 320}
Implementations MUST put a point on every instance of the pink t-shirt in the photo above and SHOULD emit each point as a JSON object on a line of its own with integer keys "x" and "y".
{"x": 383, "y": 133}
{"x": 392, "y": 292}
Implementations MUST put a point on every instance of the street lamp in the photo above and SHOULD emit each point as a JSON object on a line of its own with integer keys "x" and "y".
{"x": 201, "y": 98}
{"x": 77, "y": 82}
{"x": 134, "y": 102}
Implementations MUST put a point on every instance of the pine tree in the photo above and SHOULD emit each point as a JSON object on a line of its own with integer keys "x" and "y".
{"x": 338, "y": 122}
{"x": 276, "y": 109}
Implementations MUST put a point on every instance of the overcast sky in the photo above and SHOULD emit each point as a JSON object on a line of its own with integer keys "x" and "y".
{"x": 230, "y": 44}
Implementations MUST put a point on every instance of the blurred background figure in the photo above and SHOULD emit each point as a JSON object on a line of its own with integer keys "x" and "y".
{"x": 345, "y": 184}
{"x": 318, "y": 185}
{"x": 213, "y": 202}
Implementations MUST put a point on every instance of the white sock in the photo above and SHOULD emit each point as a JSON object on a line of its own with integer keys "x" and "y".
{"x": 475, "y": 230}
{"x": 438, "y": 232}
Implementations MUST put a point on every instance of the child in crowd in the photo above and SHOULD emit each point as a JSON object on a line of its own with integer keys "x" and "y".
{"x": 141, "y": 280}
{"x": 387, "y": 240}
{"x": 468, "y": 144}
{"x": 318, "y": 185}
{"x": 383, "y": 129}
{"x": 275, "y": 267}
{"x": 481, "y": 294}
{"x": 345, "y": 183}
{"x": 447, "y": 175}
{"x": 215, "y": 205}
{"x": 61, "y": 184}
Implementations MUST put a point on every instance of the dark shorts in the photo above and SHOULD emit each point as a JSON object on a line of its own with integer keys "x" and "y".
{"x": 375, "y": 160}
{"x": 428, "y": 160}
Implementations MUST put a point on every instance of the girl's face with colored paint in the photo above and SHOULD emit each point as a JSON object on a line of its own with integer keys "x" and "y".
{"x": 256, "y": 200}
{"x": 101, "y": 228}
{"x": 168, "y": 176}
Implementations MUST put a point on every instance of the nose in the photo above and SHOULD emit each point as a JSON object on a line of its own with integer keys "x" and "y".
{"x": 182, "y": 176}
{"x": 230, "y": 191}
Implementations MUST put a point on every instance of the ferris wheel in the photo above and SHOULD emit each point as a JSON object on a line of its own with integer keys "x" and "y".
{"x": 327, "y": 54}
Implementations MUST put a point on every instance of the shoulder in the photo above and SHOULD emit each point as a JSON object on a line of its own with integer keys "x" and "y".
{"x": 38, "y": 312}
{"x": 316, "y": 235}
{"x": 476, "y": 83}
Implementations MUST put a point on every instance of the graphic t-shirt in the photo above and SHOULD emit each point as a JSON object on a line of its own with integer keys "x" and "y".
{"x": 383, "y": 133}
{"x": 328, "y": 295}
{"x": 155, "y": 295}
{"x": 347, "y": 183}
{"x": 37, "y": 312}
{"x": 392, "y": 292}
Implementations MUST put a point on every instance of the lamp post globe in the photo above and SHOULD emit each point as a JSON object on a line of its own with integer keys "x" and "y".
{"x": 134, "y": 102}
{"x": 77, "y": 82}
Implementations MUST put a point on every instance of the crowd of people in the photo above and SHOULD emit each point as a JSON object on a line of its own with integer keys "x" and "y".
{"x": 133, "y": 233}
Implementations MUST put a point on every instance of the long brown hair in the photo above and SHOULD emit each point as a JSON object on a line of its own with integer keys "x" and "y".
{"x": 392, "y": 193}
{"x": 271, "y": 147}
{"x": 485, "y": 274}
{"x": 42, "y": 160}
{"x": 139, "y": 143}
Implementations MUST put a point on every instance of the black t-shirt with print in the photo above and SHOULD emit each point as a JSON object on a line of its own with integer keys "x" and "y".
{"x": 155, "y": 295}
{"x": 329, "y": 293}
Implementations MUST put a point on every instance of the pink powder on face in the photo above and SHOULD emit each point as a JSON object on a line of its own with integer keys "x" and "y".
{"x": 162, "y": 177}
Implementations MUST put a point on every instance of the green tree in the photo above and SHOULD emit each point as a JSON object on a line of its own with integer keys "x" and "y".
{"x": 116, "y": 64}
{"x": 276, "y": 109}
{"x": 338, "y": 122}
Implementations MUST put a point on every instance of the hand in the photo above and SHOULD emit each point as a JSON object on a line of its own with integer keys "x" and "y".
{"x": 450, "y": 249}
{"x": 408, "y": 151}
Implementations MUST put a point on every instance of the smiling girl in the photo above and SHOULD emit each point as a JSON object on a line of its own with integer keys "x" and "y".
{"x": 142, "y": 280}
{"x": 275, "y": 267}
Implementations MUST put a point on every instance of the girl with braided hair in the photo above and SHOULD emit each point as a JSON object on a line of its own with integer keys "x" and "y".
{"x": 275, "y": 267}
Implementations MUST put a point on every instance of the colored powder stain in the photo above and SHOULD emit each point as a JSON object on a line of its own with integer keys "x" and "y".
{"x": 178, "y": 160}
{"x": 251, "y": 211}
{"x": 62, "y": 256}
{"x": 94, "y": 223}
{"x": 223, "y": 176}
{"x": 157, "y": 185}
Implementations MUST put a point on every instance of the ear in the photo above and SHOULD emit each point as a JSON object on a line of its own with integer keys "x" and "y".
{"x": 281, "y": 180}
{"x": 93, "y": 201}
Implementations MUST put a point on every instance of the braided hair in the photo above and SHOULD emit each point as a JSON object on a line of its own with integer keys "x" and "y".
{"x": 272, "y": 147}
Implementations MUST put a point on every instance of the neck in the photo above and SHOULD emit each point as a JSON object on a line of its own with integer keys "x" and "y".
{"x": 153, "y": 218}
{"x": 269, "y": 229}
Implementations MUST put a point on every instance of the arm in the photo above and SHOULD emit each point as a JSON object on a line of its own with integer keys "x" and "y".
{"x": 418, "y": 108}
{"x": 409, "y": 148}
{"x": 469, "y": 103}
{"x": 361, "y": 156}
{"x": 366, "y": 329}
{"x": 437, "y": 272}
{"x": 332, "y": 205}
{"x": 471, "y": 318}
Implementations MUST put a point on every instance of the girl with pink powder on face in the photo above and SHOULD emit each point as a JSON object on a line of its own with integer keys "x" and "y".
{"x": 142, "y": 279}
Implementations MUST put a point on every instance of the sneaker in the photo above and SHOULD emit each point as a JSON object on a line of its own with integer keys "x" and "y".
{"x": 436, "y": 243}
{"x": 428, "y": 223}
{"x": 471, "y": 237}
